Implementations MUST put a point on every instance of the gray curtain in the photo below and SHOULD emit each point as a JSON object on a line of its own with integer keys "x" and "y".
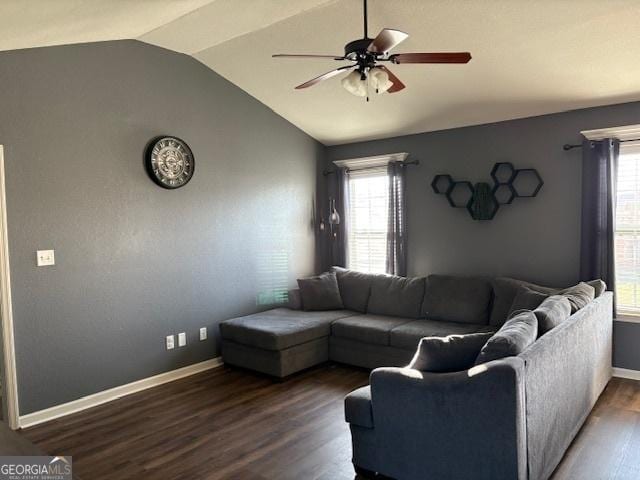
{"x": 396, "y": 232}
{"x": 338, "y": 238}
{"x": 599, "y": 180}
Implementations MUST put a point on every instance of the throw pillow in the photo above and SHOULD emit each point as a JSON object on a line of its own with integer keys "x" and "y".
{"x": 320, "y": 292}
{"x": 553, "y": 311}
{"x": 578, "y": 295}
{"x": 294, "y": 302}
{"x": 448, "y": 354}
{"x": 513, "y": 337}
{"x": 526, "y": 299}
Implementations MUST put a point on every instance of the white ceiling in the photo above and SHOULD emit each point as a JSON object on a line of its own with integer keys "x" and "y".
{"x": 529, "y": 57}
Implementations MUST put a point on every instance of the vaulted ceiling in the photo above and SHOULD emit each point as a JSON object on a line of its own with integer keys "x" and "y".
{"x": 529, "y": 58}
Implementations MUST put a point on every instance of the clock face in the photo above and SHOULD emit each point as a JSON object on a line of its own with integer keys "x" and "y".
{"x": 169, "y": 162}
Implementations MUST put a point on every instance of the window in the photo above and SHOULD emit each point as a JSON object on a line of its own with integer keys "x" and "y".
{"x": 368, "y": 212}
{"x": 627, "y": 234}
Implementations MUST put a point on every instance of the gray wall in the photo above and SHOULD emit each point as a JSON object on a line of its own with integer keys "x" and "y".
{"x": 135, "y": 262}
{"x": 536, "y": 239}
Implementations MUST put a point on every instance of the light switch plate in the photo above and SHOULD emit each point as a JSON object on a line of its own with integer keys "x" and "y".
{"x": 170, "y": 342}
{"x": 182, "y": 339}
{"x": 203, "y": 333}
{"x": 45, "y": 258}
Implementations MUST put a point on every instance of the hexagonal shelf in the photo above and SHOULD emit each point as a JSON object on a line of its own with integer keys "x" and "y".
{"x": 460, "y": 194}
{"x": 504, "y": 194}
{"x": 526, "y": 182}
{"x": 483, "y": 205}
{"x": 503, "y": 173}
{"x": 442, "y": 184}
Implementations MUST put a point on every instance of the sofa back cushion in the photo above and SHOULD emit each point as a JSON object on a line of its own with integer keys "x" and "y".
{"x": 452, "y": 353}
{"x": 320, "y": 292}
{"x": 599, "y": 287}
{"x": 578, "y": 295}
{"x": 553, "y": 311}
{"x": 504, "y": 293}
{"x": 355, "y": 288}
{"x": 457, "y": 299}
{"x": 396, "y": 296}
{"x": 514, "y": 336}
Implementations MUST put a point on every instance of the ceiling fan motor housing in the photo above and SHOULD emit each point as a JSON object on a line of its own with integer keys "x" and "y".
{"x": 352, "y": 50}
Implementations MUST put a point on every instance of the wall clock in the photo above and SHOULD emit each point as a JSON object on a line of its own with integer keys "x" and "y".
{"x": 169, "y": 162}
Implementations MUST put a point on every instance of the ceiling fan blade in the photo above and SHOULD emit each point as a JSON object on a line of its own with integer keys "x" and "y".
{"x": 303, "y": 55}
{"x": 447, "y": 57}
{"x": 397, "y": 84}
{"x": 386, "y": 40}
{"x": 322, "y": 77}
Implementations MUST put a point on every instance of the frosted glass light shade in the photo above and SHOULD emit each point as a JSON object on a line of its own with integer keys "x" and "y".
{"x": 353, "y": 84}
{"x": 380, "y": 80}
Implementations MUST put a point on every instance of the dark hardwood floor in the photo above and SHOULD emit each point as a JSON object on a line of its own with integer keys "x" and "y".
{"x": 233, "y": 424}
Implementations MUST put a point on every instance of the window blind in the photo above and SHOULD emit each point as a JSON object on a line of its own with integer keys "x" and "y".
{"x": 627, "y": 232}
{"x": 368, "y": 213}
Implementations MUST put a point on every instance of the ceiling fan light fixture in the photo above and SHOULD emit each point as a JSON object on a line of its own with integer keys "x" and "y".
{"x": 366, "y": 53}
{"x": 353, "y": 84}
{"x": 380, "y": 80}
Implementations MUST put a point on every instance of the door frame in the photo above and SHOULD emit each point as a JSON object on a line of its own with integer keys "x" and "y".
{"x": 10, "y": 387}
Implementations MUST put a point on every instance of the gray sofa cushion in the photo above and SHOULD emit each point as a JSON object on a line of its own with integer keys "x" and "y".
{"x": 599, "y": 287}
{"x": 280, "y": 328}
{"x": 457, "y": 299}
{"x": 513, "y": 337}
{"x": 504, "y": 293}
{"x": 396, "y": 296}
{"x": 355, "y": 288}
{"x": 408, "y": 335}
{"x": 526, "y": 299}
{"x": 578, "y": 295}
{"x": 553, "y": 311}
{"x": 367, "y": 328}
{"x": 320, "y": 292}
{"x": 357, "y": 407}
{"x": 448, "y": 354}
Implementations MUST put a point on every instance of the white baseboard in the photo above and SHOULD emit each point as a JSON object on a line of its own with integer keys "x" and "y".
{"x": 115, "y": 393}
{"x": 626, "y": 373}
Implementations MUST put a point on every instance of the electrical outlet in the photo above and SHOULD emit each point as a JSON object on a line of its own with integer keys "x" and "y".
{"x": 170, "y": 342}
{"x": 45, "y": 258}
{"x": 203, "y": 333}
{"x": 182, "y": 339}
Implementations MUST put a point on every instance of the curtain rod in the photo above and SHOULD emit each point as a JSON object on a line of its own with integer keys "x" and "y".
{"x": 568, "y": 146}
{"x": 404, "y": 164}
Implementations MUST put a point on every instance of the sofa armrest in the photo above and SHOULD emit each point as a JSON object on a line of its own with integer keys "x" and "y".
{"x": 468, "y": 424}
{"x": 357, "y": 407}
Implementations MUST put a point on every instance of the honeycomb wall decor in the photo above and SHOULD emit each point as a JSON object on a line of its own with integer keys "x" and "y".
{"x": 482, "y": 200}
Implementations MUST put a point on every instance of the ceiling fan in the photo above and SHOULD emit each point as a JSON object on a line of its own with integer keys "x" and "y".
{"x": 367, "y": 73}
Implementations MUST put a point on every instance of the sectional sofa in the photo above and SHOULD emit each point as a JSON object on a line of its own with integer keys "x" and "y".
{"x": 511, "y": 418}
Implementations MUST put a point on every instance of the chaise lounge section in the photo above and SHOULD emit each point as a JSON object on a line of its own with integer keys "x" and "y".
{"x": 279, "y": 342}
